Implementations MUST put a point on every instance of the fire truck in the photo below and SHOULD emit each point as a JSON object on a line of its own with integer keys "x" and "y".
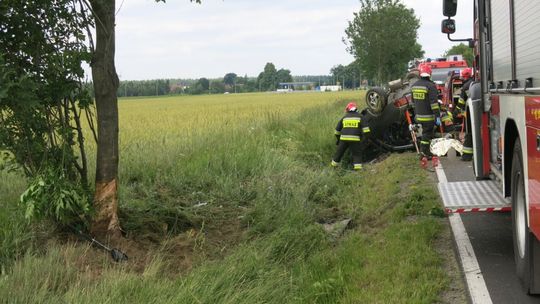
{"x": 446, "y": 70}
{"x": 503, "y": 115}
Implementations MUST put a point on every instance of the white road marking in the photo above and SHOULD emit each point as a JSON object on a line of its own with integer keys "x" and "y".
{"x": 473, "y": 275}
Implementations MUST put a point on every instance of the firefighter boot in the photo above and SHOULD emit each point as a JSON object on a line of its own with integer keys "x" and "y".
{"x": 423, "y": 162}
{"x": 434, "y": 161}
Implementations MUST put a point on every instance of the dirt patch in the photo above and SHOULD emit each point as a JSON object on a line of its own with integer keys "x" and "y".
{"x": 456, "y": 289}
{"x": 178, "y": 253}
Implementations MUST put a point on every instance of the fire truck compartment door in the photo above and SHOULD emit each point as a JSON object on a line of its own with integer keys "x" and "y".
{"x": 475, "y": 109}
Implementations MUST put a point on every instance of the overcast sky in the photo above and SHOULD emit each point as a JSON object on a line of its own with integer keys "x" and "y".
{"x": 179, "y": 39}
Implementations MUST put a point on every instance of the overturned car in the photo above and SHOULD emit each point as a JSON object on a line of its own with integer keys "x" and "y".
{"x": 389, "y": 113}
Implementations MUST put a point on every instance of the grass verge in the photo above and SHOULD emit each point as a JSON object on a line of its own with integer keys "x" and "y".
{"x": 248, "y": 213}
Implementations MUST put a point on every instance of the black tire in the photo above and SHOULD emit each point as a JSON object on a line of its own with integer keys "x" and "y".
{"x": 376, "y": 100}
{"x": 522, "y": 237}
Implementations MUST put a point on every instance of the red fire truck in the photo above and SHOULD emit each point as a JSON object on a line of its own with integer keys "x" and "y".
{"x": 504, "y": 116}
{"x": 442, "y": 68}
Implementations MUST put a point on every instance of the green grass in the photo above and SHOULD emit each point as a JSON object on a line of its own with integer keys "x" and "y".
{"x": 15, "y": 232}
{"x": 273, "y": 181}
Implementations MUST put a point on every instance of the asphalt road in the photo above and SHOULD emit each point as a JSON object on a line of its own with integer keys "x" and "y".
{"x": 491, "y": 238}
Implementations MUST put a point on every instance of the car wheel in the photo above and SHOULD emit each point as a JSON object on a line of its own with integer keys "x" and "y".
{"x": 376, "y": 100}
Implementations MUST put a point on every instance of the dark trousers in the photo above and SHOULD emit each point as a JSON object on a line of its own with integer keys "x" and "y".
{"x": 428, "y": 132}
{"x": 468, "y": 143}
{"x": 356, "y": 148}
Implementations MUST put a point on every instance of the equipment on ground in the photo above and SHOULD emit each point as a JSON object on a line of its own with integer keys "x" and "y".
{"x": 412, "y": 129}
{"x": 441, "y": 146}
{"x": 116, "y": 254}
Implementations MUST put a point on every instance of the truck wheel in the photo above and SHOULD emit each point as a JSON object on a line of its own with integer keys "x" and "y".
{"x": 524, "y": 241}
{"x": 376, "y": 100}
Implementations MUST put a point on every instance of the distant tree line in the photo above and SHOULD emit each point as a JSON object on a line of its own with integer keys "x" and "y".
{"x": 268, "y": 80}
{"x": 348, "y": 76}
{"x": 318, "y": 80}
{"x": 144, "y": 88}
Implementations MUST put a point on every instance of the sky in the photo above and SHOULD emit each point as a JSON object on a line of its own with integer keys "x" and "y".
{"x": 179, "y": 39}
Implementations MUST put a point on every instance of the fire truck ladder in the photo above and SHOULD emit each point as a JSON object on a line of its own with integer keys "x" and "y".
{"x": 473, "y": 196}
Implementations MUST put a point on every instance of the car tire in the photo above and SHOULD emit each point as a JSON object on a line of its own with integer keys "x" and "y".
{"x": 376, "y": 100}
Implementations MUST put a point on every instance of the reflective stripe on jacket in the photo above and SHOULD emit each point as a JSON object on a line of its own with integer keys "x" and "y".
{"x": 426, "y": 105}
{"x": 463, "y": 96}
{"x": 349, "y": 128}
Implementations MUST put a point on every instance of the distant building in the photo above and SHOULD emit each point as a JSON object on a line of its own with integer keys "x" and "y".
{"x": 296, "y": 86}
{"x": 330, "y": 88}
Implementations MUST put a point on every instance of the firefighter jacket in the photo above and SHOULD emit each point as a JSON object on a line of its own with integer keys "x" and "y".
{"x": 426, "y": 105}
{"x": 352, "y": 127}
{"x": 463, "y": 96}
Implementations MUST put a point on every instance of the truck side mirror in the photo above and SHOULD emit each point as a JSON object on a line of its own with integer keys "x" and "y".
{"x": 448, "y": 26}
{"x": 449, "y": 8}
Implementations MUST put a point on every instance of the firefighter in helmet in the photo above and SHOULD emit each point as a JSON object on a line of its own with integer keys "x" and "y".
{"x": 351, "y": 133}
{"x": 466, "y": 77}
{"x": 461, "y": 111}
{"x": 426, "y": 107}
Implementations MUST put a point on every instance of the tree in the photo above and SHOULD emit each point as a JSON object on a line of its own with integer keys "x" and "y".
{"x": 105, "y": 79}
{"x": 230, "y": 79}
{"x": 217, "y": 87}
{"x": 382, "y": 38}
{"x": 348, "y": 76}
{"x": 204, "y": 84}
{"x": 42, "y": 98}
{"x": 283, "y": 75}
{"x": 48, "y": 40}
{"x": 246, "y": 84}
{"x": 267, "y": 78}
{"x": 461, "y": 49}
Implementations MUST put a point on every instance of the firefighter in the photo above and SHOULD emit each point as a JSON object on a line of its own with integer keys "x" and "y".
{"x": 461, "y": 110}
{"x": 351, "y": 133}
{"x": 426, "y": 108}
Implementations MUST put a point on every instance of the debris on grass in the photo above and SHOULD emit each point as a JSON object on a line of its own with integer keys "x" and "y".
{"x": 335, "y": 230}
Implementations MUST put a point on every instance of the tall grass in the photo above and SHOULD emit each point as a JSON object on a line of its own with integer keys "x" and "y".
{"x": 15, "y": 232}
{"x": 271, "y": 168}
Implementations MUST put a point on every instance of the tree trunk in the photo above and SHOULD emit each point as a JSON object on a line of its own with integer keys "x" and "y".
{"x": 105, "y": 222}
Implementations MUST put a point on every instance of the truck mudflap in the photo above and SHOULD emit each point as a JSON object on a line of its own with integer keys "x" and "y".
{"x": 473, "y": 196}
